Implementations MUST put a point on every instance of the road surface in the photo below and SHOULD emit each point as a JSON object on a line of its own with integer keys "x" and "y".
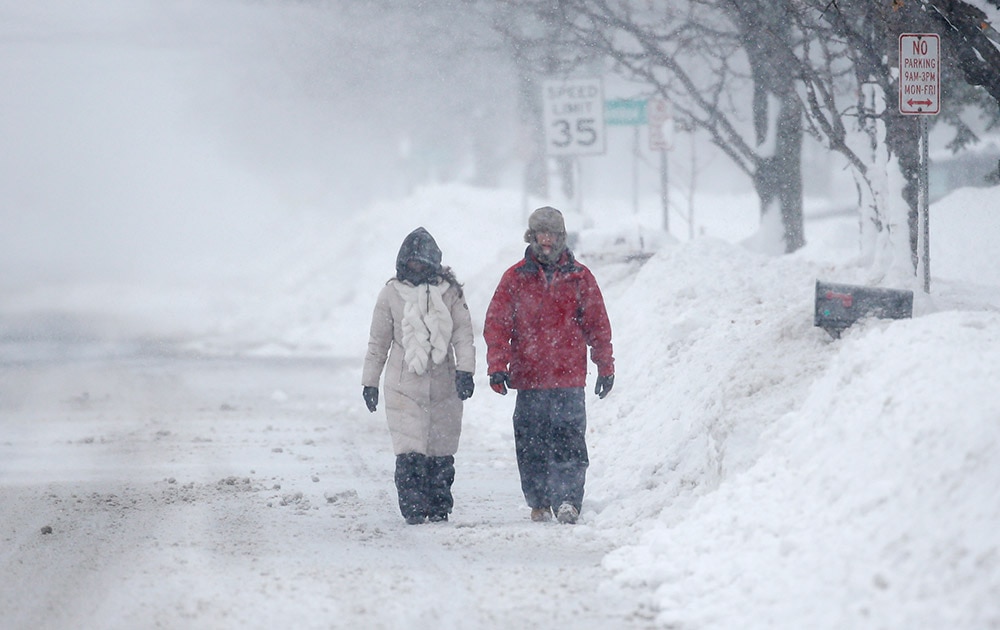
{"x": 145, "y": 487}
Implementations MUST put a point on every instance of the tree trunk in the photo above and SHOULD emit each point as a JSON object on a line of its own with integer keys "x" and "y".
{"x": 536, "y": 176}
{"x": 778, "y": 176}
{"x": 778, "y": 179}
{"x": 903, "y": 137}
{"x": 903, "y": 132}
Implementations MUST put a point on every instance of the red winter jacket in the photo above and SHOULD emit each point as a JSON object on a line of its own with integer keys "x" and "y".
{"x": 537, "y": 330}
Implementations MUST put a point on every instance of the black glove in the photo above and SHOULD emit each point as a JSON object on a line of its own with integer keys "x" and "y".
{"x": 464, "y": 385}
{"x": 370, "y": 395}
{"x": 498, "y": 381}
{"x": 604, "y": 385}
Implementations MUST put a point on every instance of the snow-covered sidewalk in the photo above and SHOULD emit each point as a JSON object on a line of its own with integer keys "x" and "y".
{"x": 180, "y": 492}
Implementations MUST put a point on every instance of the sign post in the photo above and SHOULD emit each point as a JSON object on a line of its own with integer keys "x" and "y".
{"x": 661, "y": 127}
{"x": 623, "y": 112}
{"x": 920, "y": 95}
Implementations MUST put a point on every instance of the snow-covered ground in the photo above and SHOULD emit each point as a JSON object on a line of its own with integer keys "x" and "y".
{"x": 189, "y": 492}
{"x": 747, "y": 470}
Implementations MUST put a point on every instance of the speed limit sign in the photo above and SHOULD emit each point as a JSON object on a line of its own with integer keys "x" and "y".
{"x": 574, "y": 116}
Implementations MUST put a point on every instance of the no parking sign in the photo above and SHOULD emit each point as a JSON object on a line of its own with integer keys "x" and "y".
{"x": 919, "y": 73}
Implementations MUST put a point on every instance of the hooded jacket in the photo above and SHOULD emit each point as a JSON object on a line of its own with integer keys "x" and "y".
{"x": 422, "y": 408}
{"x": 538, "y": 326}
{"x": 420, "y": 246}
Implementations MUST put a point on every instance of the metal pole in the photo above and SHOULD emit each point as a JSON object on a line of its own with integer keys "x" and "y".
{"x": 576, "y": 172}
{"x": 664, "y": 191}
{"x": 925, "y": 202}
{"x": 635, "y": 170}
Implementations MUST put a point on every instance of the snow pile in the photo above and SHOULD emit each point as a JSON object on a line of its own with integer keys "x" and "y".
{"x": 778, "y": 478}
{"x": 713, "y": 345}
{"x": 324, "y": 274}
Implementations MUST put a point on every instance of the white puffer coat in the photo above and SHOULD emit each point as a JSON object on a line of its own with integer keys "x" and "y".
{"x": 423, "y": 410}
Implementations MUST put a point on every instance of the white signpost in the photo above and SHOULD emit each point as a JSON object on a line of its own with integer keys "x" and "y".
{"x": 574, "y": 116}
{"x": 920, "y": 95}
{"x": 661, "y": 124}
{"x": 661, "y": 138}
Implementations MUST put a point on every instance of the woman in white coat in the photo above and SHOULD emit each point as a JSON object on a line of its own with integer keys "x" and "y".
{"x": 421, "y": 337}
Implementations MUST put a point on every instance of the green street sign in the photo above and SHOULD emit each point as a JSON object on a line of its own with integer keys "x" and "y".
{"x": 625, "y": 112}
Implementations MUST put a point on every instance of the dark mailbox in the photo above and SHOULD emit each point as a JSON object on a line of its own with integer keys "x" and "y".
{"x": 840, "y": 305}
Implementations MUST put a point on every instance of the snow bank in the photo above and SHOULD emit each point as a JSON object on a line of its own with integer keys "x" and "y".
{"x": 774, "y": 477}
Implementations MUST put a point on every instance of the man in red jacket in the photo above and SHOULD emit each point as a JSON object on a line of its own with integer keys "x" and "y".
{"x": 545, "y": 312}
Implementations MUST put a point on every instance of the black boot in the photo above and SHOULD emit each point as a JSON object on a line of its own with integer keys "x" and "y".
{"x": 440, "y": 476}
{"x": 411, "y": 486}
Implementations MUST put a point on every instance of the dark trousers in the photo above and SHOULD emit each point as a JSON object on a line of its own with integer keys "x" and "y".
{"x": 424, "y": 484}
{"x": 550, "y": 427}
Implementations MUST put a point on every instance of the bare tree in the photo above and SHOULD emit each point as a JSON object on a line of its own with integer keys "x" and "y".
{"x": 822, "y": 67}
{"x": 693, "y": 53}
{"x": 864, "y": 34}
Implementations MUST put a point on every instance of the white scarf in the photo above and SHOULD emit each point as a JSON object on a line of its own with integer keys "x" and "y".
{"x": 426, "y": 324}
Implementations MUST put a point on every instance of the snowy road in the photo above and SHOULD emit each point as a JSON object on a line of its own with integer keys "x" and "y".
{"x": 141, "y": 487}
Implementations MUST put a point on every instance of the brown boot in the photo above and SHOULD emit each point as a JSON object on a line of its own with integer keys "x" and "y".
{"x": 541, "y": 515}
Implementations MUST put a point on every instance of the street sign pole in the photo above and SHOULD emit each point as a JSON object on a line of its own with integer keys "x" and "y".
{"x": 574, "y": 125}
{"x": 635, "y": 170}
{"x": 624, "y": 112}
{"x": 660, "y": 137}
{"x": 920, "y": 95}
{"x": 664, "y": 191}
{"x": 924, "y": 204}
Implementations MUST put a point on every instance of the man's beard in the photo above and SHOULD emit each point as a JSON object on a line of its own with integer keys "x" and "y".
{"x": 555, "y": 252}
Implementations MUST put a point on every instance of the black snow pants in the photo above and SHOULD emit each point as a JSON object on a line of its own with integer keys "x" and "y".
{"x": 550, "y": 427}
{"x": 423, "y": 484}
